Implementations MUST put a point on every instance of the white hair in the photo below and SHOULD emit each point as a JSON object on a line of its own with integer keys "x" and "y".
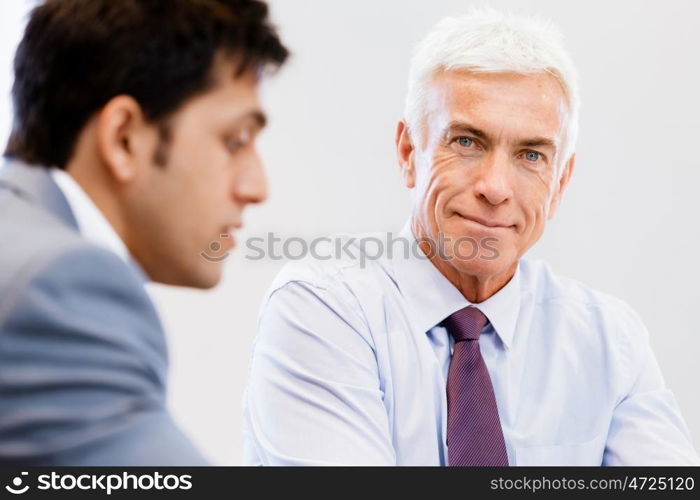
{"x": 490, "y": 41}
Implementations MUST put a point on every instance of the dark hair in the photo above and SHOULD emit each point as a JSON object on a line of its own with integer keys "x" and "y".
{"x": 76, "y": 55}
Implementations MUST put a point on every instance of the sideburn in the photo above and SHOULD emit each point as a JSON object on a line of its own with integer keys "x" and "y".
{"x": 161, "y": 154}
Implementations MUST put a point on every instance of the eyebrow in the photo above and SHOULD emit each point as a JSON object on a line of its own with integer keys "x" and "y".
{"x": 255, "y": 117}
{"x": 258, "y": 117}
{"x": 532, "y": 142}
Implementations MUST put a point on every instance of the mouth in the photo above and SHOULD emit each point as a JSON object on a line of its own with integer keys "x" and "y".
{"x": 227, "y": 236}
{"x": 486, "y": 223}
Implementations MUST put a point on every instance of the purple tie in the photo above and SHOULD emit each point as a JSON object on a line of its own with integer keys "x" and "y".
{"x": 474, "y": 434}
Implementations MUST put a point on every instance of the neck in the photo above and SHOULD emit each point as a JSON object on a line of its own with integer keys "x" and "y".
{"x": 474, "y": 287}
{"x": 94, "y": 182}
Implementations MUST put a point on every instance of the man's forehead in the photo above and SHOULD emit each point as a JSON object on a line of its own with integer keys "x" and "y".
{"x": 498, "y": 100}
{"x": 545, "y": 83}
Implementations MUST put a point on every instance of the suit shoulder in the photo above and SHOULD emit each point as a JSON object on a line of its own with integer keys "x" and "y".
{"x": 77, "y": 275}
{"x": 33, "y": 237}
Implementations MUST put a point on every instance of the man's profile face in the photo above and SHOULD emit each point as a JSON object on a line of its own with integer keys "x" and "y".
{"x": 490, "y": 156}
{"x": 182, "y": 211}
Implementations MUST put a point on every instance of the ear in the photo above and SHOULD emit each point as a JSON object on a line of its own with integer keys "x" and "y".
{"x": 406, "y": 153}
{"x": 123, "y": 137}
{"x": 563, "y": 182}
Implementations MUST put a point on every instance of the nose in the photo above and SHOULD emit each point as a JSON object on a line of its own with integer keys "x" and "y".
{"x": 493, "y": 182}
{"x": 250, "y": 185}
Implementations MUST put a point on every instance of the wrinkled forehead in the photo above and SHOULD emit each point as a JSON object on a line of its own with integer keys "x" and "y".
{"x": 505, "y": 105}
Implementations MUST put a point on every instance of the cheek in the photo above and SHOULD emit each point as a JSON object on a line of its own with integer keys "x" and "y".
{"x": 535, "y": 209}
{"x": 195, "y": 201}
{"x": 206, "y": 173}
{"x": 444, "y": 179}
{"x": 198, "y": 148}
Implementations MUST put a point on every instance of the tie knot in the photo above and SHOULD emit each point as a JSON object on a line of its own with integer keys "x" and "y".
{"x": 466, "y": 324}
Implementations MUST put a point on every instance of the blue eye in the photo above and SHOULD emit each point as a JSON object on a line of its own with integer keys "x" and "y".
{"x": 465, "y": 142}
{"x": 532, "y": 156}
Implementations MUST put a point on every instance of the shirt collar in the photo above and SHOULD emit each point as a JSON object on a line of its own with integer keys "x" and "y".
{"x": 431, "y": 297}
{"x": 92, "y": 223}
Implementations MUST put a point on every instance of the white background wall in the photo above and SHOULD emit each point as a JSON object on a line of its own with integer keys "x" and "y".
{"x": 628, "y": 224}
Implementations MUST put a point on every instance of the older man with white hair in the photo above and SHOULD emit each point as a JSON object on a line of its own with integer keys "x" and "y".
{"x": 464, "y": 353}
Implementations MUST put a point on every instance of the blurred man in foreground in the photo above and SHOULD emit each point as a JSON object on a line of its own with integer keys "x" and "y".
{"x": 133, "y": 149}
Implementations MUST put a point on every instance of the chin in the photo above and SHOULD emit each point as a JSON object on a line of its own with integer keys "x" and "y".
{"x": 485, "y": 263}
{"x": 478, "y": 267}
{"x": 206, "y": 278}
{"x": 199, "y": 276}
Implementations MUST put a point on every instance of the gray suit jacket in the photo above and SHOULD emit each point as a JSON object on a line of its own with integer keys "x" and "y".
{"x": 83, "y": 360}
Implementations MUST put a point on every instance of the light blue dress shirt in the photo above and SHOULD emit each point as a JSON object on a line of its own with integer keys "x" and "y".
{"x": 350, "y": 367}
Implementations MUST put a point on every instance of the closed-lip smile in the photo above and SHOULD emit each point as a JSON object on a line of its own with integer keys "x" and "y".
{"x": 485, "y": 222}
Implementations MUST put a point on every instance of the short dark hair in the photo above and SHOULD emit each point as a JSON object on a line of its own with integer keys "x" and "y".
{"x": 76, "y": 55}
